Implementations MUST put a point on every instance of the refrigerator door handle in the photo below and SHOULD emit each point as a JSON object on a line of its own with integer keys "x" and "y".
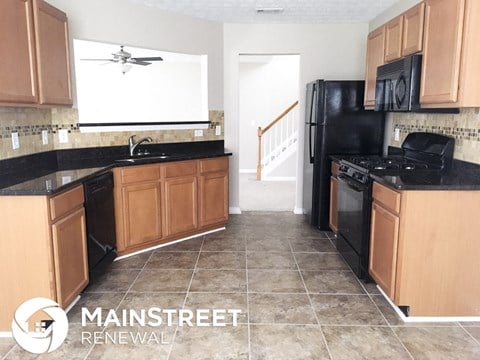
{"x": 310, "y": 143}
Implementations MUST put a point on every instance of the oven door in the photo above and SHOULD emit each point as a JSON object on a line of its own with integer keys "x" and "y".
{"x": 354, "y": 223}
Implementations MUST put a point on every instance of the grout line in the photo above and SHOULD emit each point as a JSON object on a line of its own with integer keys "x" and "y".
{"x": 311, "y": 304}
{"x": 120, "y": 302}
{"x": 248, "y": 302}
{"x": 385, "y": 318}
{"x": 186, "y": 297}
{"x": 468, "y": 332}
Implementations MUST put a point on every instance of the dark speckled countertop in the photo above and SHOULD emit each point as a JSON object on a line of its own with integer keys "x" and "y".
{"x": 451, "y": 180}
{"x": 55, "y": 171}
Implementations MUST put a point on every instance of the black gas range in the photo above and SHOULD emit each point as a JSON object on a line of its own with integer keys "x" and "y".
{"x": 421, "y": 153}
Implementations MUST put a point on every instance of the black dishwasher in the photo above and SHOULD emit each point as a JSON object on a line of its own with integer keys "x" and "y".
{"x": 100, "y": 220}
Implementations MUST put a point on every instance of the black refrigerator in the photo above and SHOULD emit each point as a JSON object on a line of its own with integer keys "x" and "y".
{"x": 336, "y": 123}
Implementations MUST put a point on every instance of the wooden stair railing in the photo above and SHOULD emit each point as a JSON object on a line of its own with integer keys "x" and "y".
{"x": 261, "y": 132}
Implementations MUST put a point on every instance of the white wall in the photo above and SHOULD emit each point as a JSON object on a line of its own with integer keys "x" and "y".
{"x": 123, "y": 22}
{"x": 391, "y": 12}
{"x": 329, "y": 51}
{"x": 267, "y": 86}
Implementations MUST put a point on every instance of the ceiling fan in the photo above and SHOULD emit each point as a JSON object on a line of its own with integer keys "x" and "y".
{"x": 125, "y": 59}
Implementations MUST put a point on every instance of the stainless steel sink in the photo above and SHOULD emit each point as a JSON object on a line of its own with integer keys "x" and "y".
{"x": 142, "y": 158}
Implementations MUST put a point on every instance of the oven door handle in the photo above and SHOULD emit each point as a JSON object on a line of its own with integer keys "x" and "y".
{"x": 352, "y": 184}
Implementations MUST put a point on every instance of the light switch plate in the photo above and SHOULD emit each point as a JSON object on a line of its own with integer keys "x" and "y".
{"x": 218, "y": 130}
{"x": 397, "y": 134}
{"x": 15, "y": 141}
{"x": 45, "y": 137}
{"x": 63, "y": 136}
{"x": 198, "y": 133}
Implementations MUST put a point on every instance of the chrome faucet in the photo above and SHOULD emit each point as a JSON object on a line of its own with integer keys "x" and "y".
{"x": 132, "y": 145}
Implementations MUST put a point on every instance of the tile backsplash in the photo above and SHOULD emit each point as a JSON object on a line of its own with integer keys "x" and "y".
{"x": 464, "y": 127}
{"x": 30, "y": 122}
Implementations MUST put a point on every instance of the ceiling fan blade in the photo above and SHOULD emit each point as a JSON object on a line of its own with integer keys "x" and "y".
{"x": 157, "y": 58}
{"x": 97, "y": 60}
{"x": 137, "y": 62}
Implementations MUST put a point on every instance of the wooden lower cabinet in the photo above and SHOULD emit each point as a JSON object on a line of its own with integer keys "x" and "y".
{"x": 142, "y": 218}
{"x": 158, "y": 203}
{"x": 333, "y": 223}
{"x": 44, "y": 250}
{"x": 384, "y": 244}
{"x": 180, "y": 204}
{"x": 213, "y": 198}
{"x": 424, "y": 251}
{"x": 70, "y": 256}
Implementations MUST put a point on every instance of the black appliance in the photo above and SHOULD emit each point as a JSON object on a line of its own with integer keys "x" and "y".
{"x": 336, "y": 123}
{"x": 100, "y": 218}
{"x": 421, "y": 152}
{"x": 398, "y": 85}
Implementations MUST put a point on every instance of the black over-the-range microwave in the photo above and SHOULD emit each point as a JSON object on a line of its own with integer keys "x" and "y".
{"x": 398, "y": 85}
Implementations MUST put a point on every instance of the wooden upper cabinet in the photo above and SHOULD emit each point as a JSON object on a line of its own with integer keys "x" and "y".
{"x": 52, "y": 54}
{"x": 442, "y": 51}
{"x": 375, "y": 58}
{"x": 18, "y": 72}
{"x": 413, "y": 21}
{"x": 393, "y": 39}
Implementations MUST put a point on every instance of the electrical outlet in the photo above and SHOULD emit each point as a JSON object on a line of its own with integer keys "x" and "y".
{"x": 397, "y": 134}
{"x": 66, "y": 180}
{"x": 45, "y": 137}
{"x": 218, "y": 130}
{"x": 198, "y": 133}
{"x": 15, "y": 141}
{"x": 63, "y": 136}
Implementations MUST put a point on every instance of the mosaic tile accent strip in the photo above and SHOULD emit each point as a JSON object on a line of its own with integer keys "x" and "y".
{"x": 464, "y": 127}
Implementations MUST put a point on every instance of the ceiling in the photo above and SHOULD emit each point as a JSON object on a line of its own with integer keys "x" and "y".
{"x": 294, "y": 11}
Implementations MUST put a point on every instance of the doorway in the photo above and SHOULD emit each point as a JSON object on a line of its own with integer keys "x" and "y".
{"x": 269, "y": 130}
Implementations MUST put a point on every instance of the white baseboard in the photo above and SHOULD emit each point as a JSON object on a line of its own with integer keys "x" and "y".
{"x": 279, "y": 178}
{"x": 247, "y": 171}
{"x": 414, "y": 319}
{"x": 6, "y": 334}
{"x": 168, "y": 244}
{"x": 298, "y": 211}
{"x": 235, "y": 210}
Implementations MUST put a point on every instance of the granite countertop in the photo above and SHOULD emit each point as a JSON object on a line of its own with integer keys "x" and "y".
{"x": 461, "y": 176}
{"x": 53, "y": 172}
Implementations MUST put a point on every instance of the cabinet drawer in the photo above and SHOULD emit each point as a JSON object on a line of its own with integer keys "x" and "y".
{"x": 387, "y": 197}
{"x": 178, "y": 169}
{"x": 214, "y": 165}
{"x": 140, "y": 173}
{"x": 66, "y": 202}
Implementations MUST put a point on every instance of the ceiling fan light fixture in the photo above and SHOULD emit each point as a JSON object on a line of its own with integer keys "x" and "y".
{"x": 125, "y": 67}
{"x": 269, "y": 9}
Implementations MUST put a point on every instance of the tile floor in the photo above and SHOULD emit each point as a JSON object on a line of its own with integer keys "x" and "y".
{"x": 298, "y": 300}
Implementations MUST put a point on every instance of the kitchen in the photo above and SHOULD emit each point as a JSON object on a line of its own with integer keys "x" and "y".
{"x": 345, "y": 59}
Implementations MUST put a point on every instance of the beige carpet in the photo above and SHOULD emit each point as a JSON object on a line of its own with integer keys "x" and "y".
{"x": 266, "y": 195}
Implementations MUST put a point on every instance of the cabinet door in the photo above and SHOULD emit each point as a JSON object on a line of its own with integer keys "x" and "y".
{"x": 70, "y": 256}
{"x": 213, "y": 198}
{"x": 413, "y": 21}
{"x": 52, "y": 54}
{"x": 375, "y": 58}
{"x": 442, "y": 51}
{"x": 383, "y": 248}
{"x": 393, "y": 39}
{"x": 17, "y": 48}
{"x": 180, "y": 205}
{"x": 333, "y": 204}
{"x": 142, "y": 213}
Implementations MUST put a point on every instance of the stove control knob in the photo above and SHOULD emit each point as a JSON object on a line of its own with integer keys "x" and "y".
{"x": 343, "y": 168}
